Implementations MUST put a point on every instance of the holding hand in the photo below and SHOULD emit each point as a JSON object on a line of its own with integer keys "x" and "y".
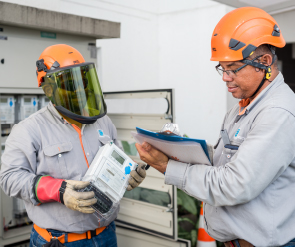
{"x": 48, "y": 189}
{"x": 136, "y": 177}
{"x": 152, "y": 156}
{"x": 79, "y": 201}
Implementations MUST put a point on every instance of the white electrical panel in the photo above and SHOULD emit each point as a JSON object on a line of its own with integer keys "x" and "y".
{"x": 28, "y": 106}
{"x": 43, "y": 101}
{"x": 7, "y": 109}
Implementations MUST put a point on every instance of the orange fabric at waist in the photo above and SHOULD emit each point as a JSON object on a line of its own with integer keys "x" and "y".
{"x": 71, "y": 236}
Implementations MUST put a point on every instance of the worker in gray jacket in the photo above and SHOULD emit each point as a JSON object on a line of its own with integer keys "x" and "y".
{"x": 47, "y": 154}
{"x": 248, "y": 193}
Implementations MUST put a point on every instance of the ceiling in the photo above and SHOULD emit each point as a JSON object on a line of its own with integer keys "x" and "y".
{"x": 270, "y": 6}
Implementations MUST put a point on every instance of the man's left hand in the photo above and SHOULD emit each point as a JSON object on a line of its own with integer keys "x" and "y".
{"x": 136, "y": 177}
{"x": 152, "y": 156}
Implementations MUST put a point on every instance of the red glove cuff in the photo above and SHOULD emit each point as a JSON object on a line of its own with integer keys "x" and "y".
{"x": 47, "y": 189}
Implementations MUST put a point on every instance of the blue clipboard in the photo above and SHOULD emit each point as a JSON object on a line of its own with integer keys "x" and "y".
{"x": 173, "y": 138}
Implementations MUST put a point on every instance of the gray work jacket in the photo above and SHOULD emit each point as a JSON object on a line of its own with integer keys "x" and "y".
{"x": 46, "y": 144}
{"x": 249, "y": 193}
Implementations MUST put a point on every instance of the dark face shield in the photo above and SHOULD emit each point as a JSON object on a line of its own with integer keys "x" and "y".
{"x": 76, "y": 89}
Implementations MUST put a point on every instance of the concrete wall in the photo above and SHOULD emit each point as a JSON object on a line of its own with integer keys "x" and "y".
{"x": 163, "y": 44}
{"x": 36, "y": 18}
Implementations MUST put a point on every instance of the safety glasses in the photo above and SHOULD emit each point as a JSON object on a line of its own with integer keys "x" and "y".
{"x": 233, "y": 73}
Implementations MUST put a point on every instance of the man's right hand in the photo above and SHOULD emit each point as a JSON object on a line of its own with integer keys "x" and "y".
{"x": 152, "y": 156}
{"x": 79, "y": 201}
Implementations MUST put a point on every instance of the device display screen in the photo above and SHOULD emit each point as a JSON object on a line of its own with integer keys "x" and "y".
{"x": 118, "y": 157}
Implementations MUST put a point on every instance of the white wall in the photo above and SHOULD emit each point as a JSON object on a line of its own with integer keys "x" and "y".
{"x": 163, "y": 44}
{"x": 184, "y": 53}
{"x": 286, "y": 23}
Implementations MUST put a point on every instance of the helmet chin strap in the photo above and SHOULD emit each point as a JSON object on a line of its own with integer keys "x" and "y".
{"x": 267, "y": 76}
{"x": 267, "y": 69}
{"x": 260, "y": 85}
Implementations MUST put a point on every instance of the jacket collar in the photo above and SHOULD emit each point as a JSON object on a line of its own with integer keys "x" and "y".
{"x": 55, "y": 113}
{"x": 272, "y": 86}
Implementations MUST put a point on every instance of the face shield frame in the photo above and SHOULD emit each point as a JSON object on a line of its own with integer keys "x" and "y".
{"x": 75, "y": 92}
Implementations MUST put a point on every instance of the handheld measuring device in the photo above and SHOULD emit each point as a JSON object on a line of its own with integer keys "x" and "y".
{"x": 108, "y": 175}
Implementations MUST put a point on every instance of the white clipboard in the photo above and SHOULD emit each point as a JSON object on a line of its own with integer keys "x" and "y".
{"x": 186, "y": 151}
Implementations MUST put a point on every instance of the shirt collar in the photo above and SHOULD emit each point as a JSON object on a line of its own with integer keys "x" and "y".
{"x": 54, "y": 112}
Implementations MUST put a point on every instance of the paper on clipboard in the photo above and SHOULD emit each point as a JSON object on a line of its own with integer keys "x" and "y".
{"x": 187, "y": 151}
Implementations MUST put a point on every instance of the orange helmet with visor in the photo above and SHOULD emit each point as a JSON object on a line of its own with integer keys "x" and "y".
{"x": 71, "y": 84}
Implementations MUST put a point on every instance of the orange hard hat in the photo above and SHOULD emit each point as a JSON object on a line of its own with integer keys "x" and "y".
{"x": 57, "y": 56}
{"x": 241, "y": 31}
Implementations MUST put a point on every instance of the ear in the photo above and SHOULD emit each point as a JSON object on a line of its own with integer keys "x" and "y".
{"x": 48, "y": 90}
{"x": 267, "y": 59}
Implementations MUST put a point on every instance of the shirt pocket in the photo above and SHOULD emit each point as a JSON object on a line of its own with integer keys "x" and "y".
{"x": 228, "y": 154}
{"x": 241, "y": 134}
{"x": 56, "y": 160}
{"x": 104, "y": 139}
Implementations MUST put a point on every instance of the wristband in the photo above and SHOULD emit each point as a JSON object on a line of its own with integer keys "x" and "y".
{"x": 62, "y": 191}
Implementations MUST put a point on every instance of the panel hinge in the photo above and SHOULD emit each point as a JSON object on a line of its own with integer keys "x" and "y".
{"x": 168, "y": 116}
{"x": 169, "y": 209}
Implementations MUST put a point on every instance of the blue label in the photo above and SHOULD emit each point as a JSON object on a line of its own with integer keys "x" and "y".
{"x": 127, "y": 170}
{"x": 130, "y": 164}
{"x": 34, "y": 102}
{"x": 10, "y": 102}
{"x": 237, "y": 132}
{"x": 100, "y": 132}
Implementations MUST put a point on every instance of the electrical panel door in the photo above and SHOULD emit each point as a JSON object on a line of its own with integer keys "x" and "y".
{"x": 152, "y": 206}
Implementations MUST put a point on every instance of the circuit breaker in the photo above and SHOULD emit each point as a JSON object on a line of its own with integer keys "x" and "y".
{"x": 28, "y": 105}
{"x": 7, "y": 109}
{"x": 13, "y": 109}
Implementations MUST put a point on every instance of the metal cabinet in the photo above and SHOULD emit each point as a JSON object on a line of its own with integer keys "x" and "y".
{"x": 152, "y": 207}
{"x": 127, "y": 237}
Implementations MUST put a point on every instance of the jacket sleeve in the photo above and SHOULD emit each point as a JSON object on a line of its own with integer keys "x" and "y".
{"x": 19, "y": 163}
{"x": 264, "y": 155}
